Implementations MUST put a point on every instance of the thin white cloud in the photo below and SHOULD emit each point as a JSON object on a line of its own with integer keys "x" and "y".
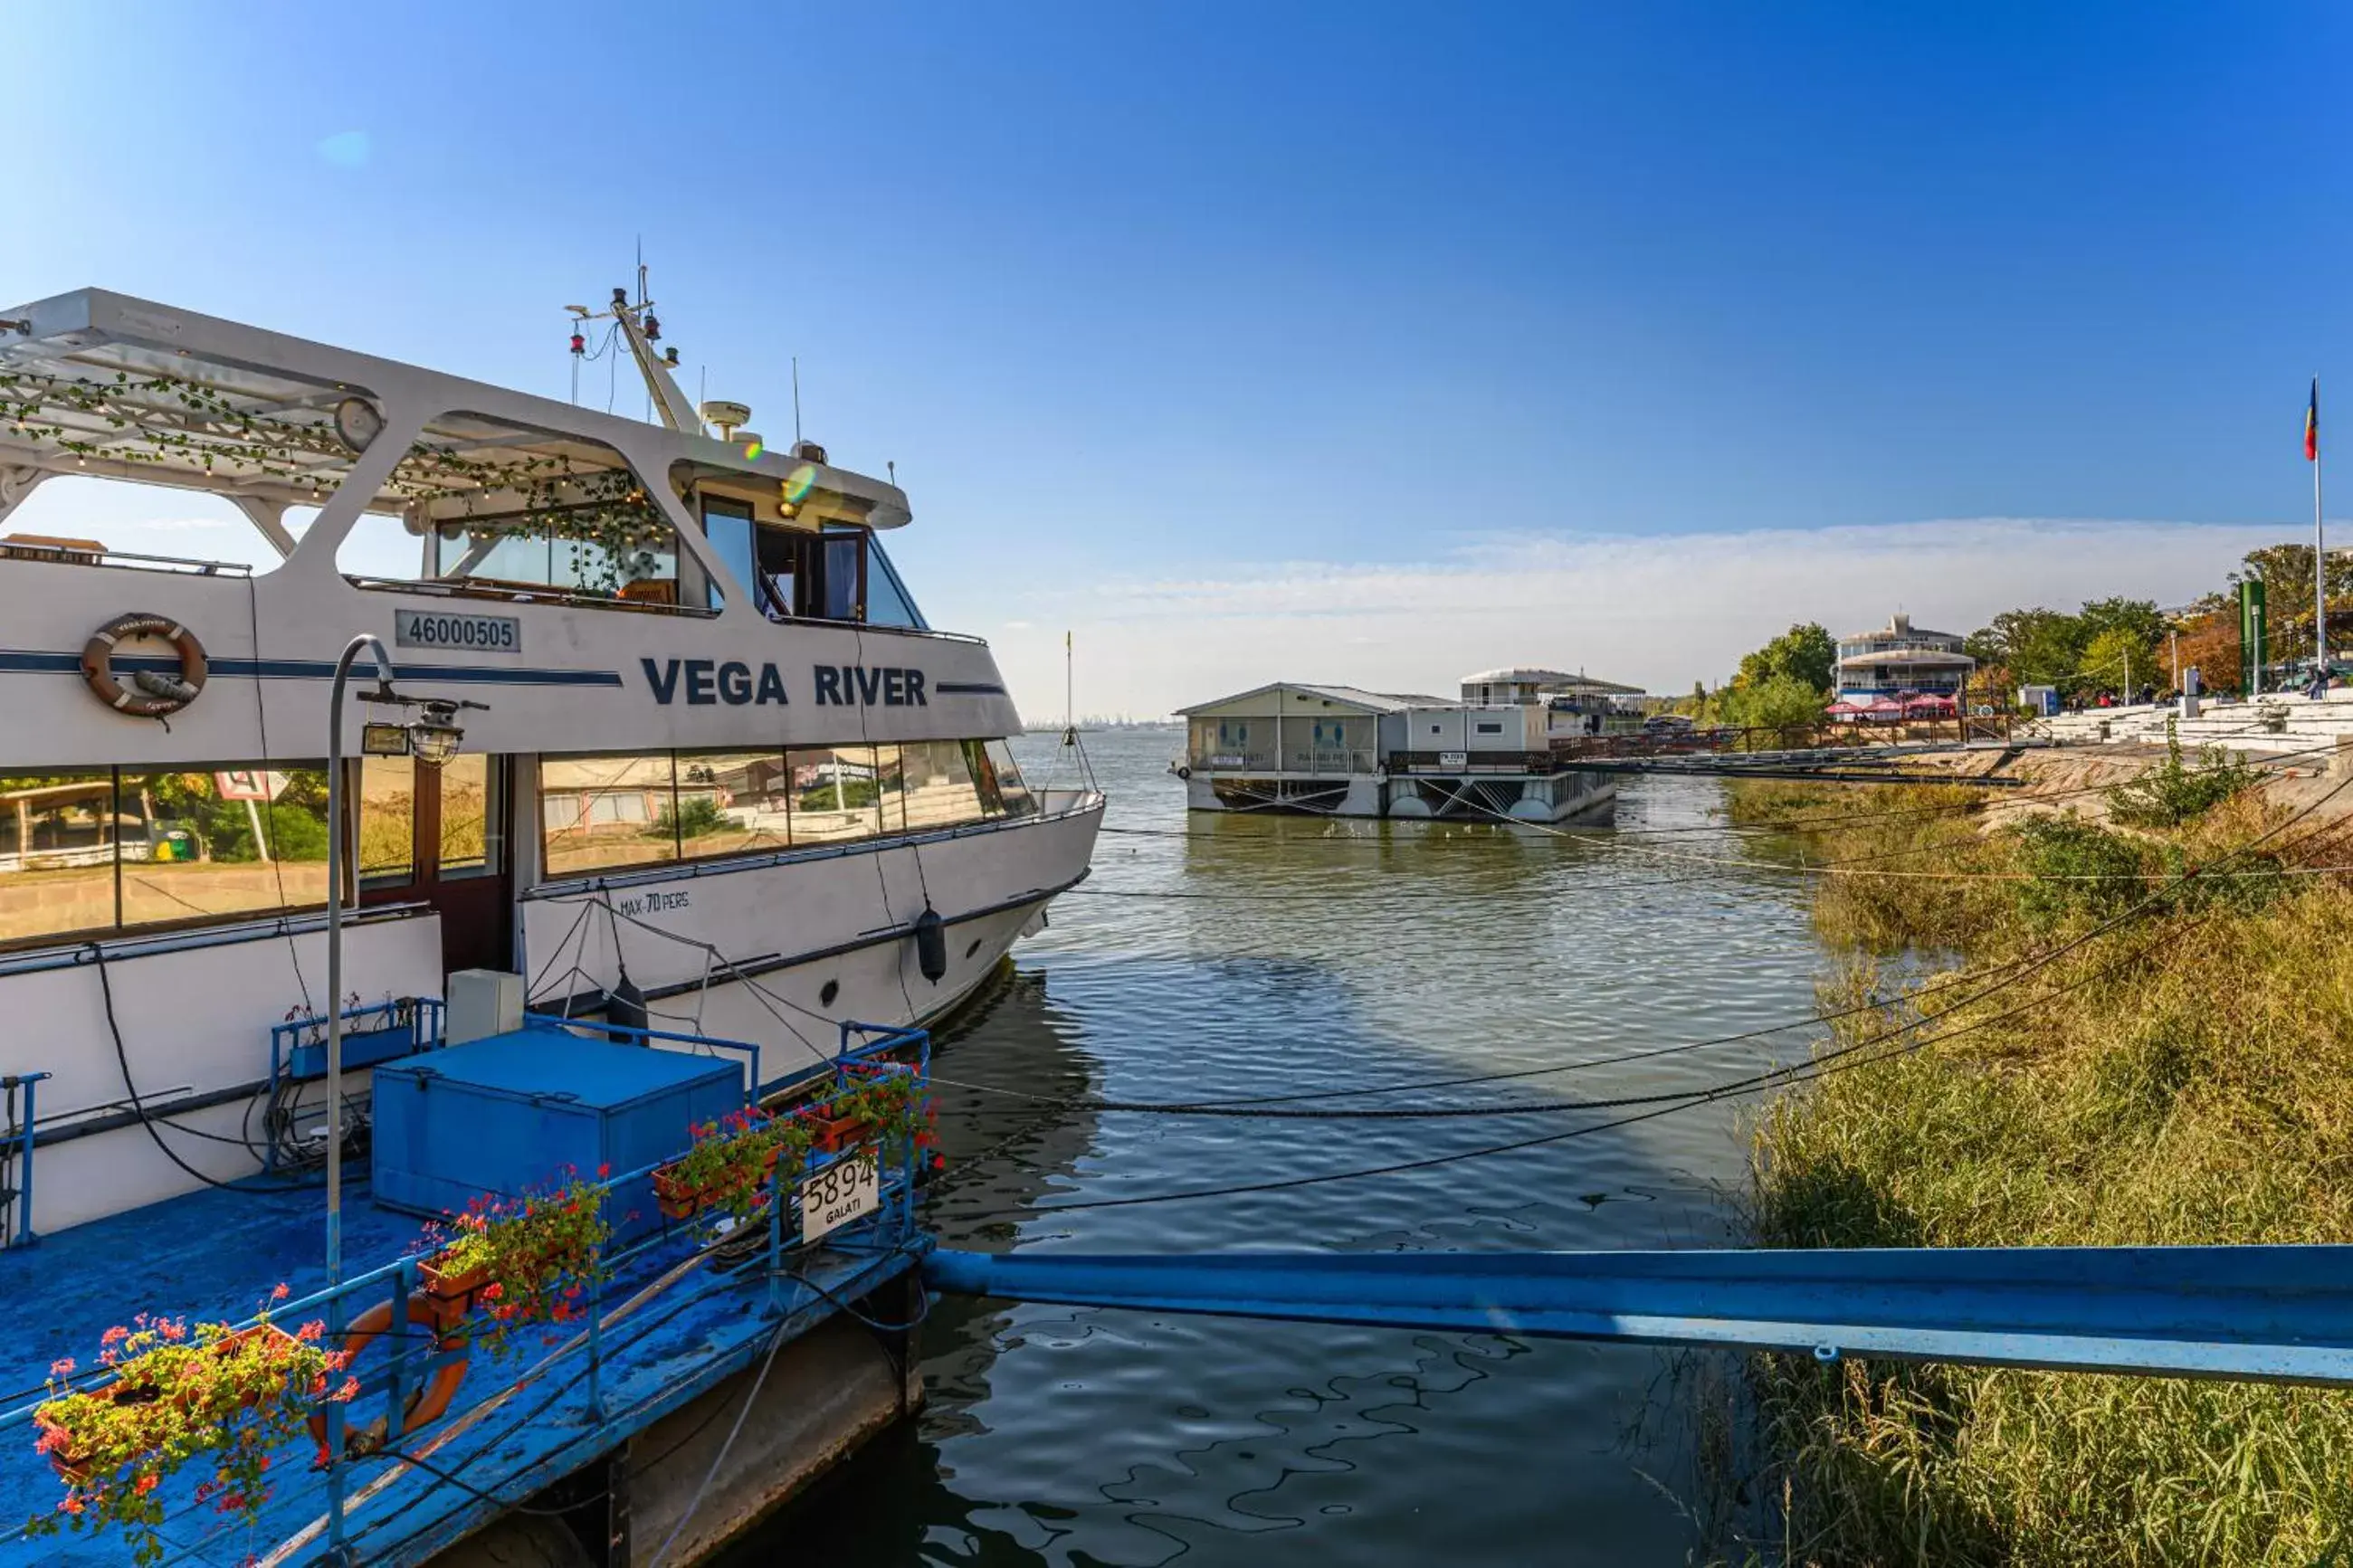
{"x": 1660, "y": 611}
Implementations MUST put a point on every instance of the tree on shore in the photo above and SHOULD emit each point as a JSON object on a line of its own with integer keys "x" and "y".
{"x": 1804, "y": 653}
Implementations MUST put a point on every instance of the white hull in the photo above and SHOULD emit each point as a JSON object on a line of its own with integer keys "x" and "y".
{"x": 195, "y": 1009}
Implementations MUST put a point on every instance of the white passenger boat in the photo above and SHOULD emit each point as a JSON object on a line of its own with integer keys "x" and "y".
{"x": 722, "y": 761}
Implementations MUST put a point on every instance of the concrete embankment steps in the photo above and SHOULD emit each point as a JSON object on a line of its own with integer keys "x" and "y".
{"x": 2287, "y": 722}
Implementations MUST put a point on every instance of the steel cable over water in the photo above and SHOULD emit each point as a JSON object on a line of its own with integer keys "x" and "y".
{"x": 1842, "y": 1059}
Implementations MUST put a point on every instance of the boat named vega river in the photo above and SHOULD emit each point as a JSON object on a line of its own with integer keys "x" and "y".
{"x": 721, "y": 759}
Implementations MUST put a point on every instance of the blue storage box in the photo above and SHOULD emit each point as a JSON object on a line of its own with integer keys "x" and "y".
{"x": 497, "y": 1117}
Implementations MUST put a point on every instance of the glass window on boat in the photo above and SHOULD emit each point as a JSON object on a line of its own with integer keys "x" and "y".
{"x": 1000, "y": 775}
{"x": 835, "y": 794}
{"x": 512, "y": 511}
{"x": 472, "y": 814}
{"x": 938, "y": 787}
{"x": 733, "y": 802}
{"x": 887, "y": 602}
{"x": 607, "y": 811}
{"x": 843, "y": 575}
{"x": 58, "y": 833}
{"x": 735, "y": 539}
{"x": 891, "y": 788}
{"x": 225, "y": 840}
{"x": 385, "y": 851}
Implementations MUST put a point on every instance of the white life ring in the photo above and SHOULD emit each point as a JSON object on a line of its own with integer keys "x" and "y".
{"x": 150, "y": 694}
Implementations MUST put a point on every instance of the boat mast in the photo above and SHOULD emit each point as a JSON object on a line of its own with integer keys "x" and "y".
{"x": 641, "y": 328}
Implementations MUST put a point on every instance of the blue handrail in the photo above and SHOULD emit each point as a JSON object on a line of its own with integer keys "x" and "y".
{"x": 23, "y": 1234}
{"x": 889, "y": 1229}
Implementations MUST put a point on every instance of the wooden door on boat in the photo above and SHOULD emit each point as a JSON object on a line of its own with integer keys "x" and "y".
{"x": 438, "y": 836}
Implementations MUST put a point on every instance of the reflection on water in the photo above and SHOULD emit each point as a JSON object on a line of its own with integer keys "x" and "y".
{"x": 1305, "y": 954}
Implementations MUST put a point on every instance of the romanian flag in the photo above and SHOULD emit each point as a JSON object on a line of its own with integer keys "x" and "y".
{"x": 2312, "y": 424}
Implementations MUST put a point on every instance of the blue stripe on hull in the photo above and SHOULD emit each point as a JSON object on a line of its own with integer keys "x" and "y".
{"x": 16, "y": 662}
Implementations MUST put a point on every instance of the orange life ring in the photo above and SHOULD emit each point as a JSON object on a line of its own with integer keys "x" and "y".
{"x": 426, "y": 1403}
{"x": 149, "y": 695}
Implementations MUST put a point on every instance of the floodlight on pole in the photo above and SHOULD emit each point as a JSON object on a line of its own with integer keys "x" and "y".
{"x": 432, "y": 739}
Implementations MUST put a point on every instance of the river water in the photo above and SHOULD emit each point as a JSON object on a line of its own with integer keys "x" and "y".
{"x": 1214, "y": 956}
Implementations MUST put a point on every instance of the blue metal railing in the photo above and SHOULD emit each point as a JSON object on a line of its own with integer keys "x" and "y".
{"x": 373, "y": 1032}
{"x": 20, "y": 1151}
{"x": 886, "y": 1229}
{"x": 387, "y": 1030}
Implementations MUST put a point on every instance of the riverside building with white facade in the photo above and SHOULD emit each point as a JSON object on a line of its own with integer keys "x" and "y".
{"x": 1901, "y": 660}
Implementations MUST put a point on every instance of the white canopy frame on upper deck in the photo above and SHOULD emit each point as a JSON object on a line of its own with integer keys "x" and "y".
{"x": 96, "y": 383}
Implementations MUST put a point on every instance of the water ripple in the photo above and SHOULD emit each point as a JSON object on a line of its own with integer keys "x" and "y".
{"x": 1074, "y": 1437}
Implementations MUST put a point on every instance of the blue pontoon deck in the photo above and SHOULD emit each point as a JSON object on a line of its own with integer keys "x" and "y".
{"x": 687, "y": 1306}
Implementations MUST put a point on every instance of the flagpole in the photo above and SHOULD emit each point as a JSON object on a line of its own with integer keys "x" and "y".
{"x": 2319, "y": 552}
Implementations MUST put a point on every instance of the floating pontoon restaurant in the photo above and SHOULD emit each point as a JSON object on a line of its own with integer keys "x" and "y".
{"x": 1348, "y": 752}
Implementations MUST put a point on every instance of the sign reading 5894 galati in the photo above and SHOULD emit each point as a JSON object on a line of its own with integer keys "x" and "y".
{"x": 844, "y": 1191}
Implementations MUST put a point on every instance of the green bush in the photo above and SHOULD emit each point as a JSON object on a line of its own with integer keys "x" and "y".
{"x": 2073, "y": 867}
{"x": 2172, "y": 793}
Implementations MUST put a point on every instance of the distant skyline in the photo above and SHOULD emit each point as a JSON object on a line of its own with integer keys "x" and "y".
{"x": 1365, "y": 343}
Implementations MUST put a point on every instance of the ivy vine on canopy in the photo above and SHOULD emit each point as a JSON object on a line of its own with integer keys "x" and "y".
{"x": 498, "y": 484}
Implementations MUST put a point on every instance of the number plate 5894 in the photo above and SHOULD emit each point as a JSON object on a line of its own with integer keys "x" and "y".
{"x": 841, "y": 1191}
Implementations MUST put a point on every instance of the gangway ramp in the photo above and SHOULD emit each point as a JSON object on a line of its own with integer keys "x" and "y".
{"x": 2281, "y": 1314}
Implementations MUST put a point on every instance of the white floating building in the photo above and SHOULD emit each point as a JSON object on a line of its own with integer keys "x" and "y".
{"x": 1505, "y": 750}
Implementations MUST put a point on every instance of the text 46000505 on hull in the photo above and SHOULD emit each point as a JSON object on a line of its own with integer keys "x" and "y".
{"x": 722, "y": 763}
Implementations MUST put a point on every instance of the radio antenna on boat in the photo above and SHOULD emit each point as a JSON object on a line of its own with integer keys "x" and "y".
{"x": 797, "y": 401}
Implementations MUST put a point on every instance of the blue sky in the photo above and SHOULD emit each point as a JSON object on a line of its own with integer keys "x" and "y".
{"x": 1184, "y": 324}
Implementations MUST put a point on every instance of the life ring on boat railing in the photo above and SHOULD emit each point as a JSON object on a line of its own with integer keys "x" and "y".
{"x": 426, "y": 1403}
{"x": 150, "y": 694}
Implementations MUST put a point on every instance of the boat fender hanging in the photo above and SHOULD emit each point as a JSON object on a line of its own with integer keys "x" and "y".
{"x": 625, "y": 1008}
{"x": 932, "y": 944}
{"x": 1184, "y": 773}
{"x": 150, "y": 694}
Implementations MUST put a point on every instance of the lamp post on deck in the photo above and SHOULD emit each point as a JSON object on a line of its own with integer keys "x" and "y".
{"x": 432, "y": 738}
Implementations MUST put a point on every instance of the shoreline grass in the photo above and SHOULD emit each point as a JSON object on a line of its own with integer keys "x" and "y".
{"x": 2180, "y": 1080}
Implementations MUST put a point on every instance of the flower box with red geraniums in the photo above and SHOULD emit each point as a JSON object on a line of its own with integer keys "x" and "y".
{"x": 729, "y": 1165}
{"x": 733, "y": 1162}
{"x": 870, "y": 1105}
{"x": 523, "y": 1261}
{"x": 170, "y": 1393}
{"x": 452, "y": 1291}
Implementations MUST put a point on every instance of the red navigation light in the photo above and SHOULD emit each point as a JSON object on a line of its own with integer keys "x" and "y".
{"x": 579, "y": 345}
{"x": 653, "y": 329}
